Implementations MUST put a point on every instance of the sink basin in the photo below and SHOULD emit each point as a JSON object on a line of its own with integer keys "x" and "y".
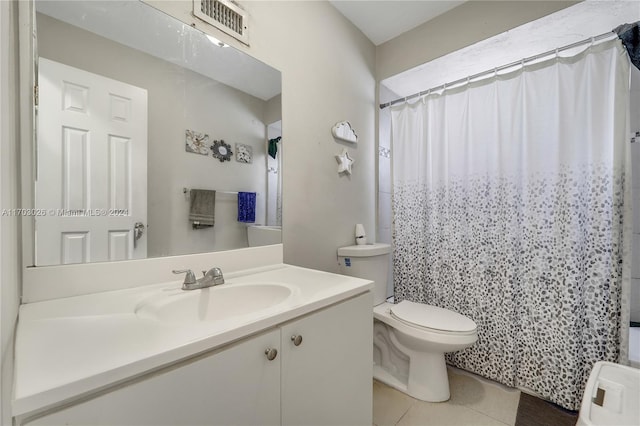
{"x": 214, "y": 303}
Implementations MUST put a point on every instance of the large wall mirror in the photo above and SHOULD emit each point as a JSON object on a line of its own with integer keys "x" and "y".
{"x": 139, "y": 118}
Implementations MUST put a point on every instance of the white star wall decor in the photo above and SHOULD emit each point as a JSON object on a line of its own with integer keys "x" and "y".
{"x": 344, "y": 162}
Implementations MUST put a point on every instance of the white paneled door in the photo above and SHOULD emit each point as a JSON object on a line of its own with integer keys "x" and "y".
{"x": 91, "y": 183}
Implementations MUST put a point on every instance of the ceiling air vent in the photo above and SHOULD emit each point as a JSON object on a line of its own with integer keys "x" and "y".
{"x": 224, "y": 15}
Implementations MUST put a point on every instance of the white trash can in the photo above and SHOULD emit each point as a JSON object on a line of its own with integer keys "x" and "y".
{"x": 611, "y": 397}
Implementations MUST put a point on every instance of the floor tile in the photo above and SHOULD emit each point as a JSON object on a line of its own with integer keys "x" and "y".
{"x": 534, "y": 411}
{"x": 445, "y": 414}
{"x": 389, "y": 405}
{"x": 492, "y": 399}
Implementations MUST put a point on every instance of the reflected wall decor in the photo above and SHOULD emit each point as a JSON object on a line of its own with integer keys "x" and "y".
{"x": 197, "y": 143}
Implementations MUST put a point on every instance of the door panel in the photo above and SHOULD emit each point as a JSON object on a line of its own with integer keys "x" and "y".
{"x": 75, "y": 247}
{"x": 92, "y": 167}
{"x": 119, "y": 245}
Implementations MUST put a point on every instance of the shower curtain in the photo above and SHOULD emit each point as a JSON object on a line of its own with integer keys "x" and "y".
{"x": 511, "y": 206}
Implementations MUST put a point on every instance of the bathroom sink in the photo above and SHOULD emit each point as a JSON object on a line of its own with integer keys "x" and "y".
{"x": 214, "y": 303}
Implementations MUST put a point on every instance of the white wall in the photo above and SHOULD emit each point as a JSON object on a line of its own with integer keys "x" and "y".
{"x": 385, "y": 212}
{"x": 9, "y": 182}
{"x": 328, "y": 76}
{"x": 178, "y": 99}
{"x": 635, "y": 172}
{"x": 273, "y": 111}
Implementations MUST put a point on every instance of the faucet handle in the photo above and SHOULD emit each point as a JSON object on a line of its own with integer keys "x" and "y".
{"x": 190, "y": 278}
{"x": 216, "y": 275}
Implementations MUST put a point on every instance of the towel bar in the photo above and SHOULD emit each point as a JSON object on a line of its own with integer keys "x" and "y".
{"x": 185, "y": 190}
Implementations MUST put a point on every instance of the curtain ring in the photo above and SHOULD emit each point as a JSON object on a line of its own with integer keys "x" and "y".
{"x": 557, "y": 55}
{"x": 424, "y": 99}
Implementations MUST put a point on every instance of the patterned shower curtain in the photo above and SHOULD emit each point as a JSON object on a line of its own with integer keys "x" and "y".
{"x": 511, "y": 206}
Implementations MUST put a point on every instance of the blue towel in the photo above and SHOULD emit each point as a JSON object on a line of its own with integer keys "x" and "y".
{"x": 247, "y": 207}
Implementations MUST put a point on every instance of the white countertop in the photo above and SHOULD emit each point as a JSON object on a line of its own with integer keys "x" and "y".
{"x": 66, "y": 348}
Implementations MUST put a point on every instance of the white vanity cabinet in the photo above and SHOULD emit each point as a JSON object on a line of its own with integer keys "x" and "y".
{"x": 327, "y": 378}
{"x": 324, "y": 380}
{"x": 237, "y": 385}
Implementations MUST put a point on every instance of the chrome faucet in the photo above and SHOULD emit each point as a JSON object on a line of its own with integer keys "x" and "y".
{"x": 210, "y": 278}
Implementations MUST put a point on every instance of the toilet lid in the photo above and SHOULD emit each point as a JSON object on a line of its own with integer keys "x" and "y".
{"x": 432, "y": 317}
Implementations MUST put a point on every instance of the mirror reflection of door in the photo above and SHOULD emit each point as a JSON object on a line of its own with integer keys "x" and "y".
{"x": 91, "y": 167}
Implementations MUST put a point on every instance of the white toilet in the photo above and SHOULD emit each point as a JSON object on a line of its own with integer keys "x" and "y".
{"x": 410, "y": 339}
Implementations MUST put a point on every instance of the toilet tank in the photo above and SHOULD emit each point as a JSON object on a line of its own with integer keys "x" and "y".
{"x": 368, "y": 261}
{"x": 261, "y": 235}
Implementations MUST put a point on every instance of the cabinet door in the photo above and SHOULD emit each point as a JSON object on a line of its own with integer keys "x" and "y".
{"x": 327, "y": 378}
{"x": 237, "y": 385}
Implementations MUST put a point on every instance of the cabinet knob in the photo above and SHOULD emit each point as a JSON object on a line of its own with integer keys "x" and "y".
{"x": 271, "y": 353}
{"x": 296, "y": 339}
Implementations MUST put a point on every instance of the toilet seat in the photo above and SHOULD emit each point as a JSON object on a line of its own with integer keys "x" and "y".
{"x": 432, "y": 318}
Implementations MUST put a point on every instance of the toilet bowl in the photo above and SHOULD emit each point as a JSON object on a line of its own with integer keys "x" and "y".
{"x": 410, "y": 339}
{"x": 424, "y": 334}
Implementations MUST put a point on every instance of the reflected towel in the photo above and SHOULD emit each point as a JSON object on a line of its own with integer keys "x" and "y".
{"x": 273, "y": 146}
{"x": 247, "y": 207}
{"x": 203, "y": 203}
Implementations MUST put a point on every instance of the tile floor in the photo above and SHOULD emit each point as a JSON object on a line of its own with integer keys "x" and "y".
{"x": 474, "y": 401}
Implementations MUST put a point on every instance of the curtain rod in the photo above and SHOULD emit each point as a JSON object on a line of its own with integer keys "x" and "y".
{"x": 500, "y": 68}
